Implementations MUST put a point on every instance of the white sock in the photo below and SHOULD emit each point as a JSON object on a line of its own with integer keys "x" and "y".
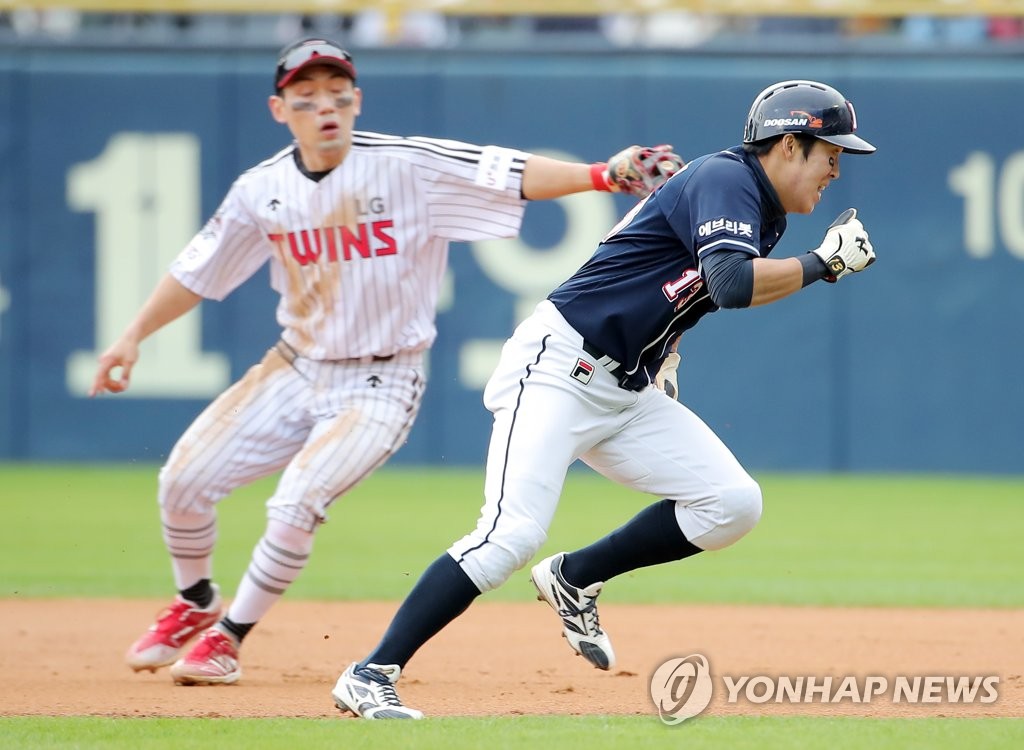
{"x": 277, "y": 560}
{"x": 189, "y": 539}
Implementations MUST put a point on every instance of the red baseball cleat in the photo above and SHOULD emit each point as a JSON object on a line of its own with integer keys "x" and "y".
{"x": 174, "y": 627}
{"x": 212, "y": 661}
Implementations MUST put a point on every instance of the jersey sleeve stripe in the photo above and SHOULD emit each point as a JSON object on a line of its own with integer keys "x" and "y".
{"x": 453, "y": 150}
{"x": 745, "y": 246}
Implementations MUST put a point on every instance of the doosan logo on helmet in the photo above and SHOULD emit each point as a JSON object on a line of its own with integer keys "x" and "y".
{"x": 786, "y": 121}
{"x": 806, "y": 119}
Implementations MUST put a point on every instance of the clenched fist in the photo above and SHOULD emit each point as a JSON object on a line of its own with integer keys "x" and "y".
{"x": 846, "y": 248}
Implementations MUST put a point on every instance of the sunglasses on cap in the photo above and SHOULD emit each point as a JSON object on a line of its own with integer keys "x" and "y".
{"x": 311, "y": 52}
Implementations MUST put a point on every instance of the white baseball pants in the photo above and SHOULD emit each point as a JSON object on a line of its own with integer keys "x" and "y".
{"x": 327, "y": 424}
{"x": 545, "y": 418}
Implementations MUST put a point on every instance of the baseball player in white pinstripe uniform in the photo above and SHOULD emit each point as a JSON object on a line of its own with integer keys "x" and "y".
{"x": 356, "y": 227}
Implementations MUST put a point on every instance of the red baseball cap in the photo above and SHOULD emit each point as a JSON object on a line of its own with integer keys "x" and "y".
{"x": 311, "y": 51}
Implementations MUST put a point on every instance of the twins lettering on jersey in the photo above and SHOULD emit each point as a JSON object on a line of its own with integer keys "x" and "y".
{"x": 739, "y": 228}
{"x": 369, "y": 239}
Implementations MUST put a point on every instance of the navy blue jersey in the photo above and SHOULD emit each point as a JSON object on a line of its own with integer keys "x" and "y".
{"x": 644, "y": 285}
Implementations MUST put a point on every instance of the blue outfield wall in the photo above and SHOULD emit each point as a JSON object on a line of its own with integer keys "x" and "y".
{"x": 115, "y": 159}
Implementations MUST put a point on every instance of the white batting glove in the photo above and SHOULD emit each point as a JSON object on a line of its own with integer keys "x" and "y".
{"x": 846, "y": 248}
{"x": 667, "y": 377}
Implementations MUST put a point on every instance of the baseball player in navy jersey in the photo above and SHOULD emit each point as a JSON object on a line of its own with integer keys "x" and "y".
{"x": 356, "y": 228}
{"x": 579, "y": 379}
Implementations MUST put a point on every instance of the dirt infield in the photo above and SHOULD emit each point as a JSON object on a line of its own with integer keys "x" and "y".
{"x": 64, "y": 658}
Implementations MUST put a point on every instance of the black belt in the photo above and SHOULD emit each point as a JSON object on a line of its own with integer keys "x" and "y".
{"x": 289, "y": 354}
{"x": 617, "y": 369}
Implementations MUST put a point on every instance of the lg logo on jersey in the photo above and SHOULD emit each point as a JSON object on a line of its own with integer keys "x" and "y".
{"x": 369, "y": 240}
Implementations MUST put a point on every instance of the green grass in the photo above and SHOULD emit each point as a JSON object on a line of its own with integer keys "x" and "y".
{"x": 833, "y": 540}
{"x": 516, "y": 733}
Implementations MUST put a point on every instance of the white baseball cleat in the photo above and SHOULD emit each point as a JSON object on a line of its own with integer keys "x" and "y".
{"x": 578, "y": 610}
{"x": 369, "y": 692}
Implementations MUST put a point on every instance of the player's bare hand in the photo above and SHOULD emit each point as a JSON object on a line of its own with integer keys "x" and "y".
{"x": 114, "y": 371}
{"x": 640, "y": 170}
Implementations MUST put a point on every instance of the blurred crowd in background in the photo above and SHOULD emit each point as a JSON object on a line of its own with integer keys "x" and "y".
{"x": 676, "y": 29}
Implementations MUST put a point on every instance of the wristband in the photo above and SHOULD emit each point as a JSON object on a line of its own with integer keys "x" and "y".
{"x": 599, "y": 177}
{"x": 814, "y": 268}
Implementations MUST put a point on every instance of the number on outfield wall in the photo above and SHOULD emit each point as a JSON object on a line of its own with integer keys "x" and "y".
{"x": 144, "y": 189}
{"x": 990, "y": 203}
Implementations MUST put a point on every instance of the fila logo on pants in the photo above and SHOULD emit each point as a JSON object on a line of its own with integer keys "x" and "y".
{"x": 583, "y": 371}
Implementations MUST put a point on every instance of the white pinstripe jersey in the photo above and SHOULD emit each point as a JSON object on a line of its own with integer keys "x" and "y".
{"x": 358, "y": 256}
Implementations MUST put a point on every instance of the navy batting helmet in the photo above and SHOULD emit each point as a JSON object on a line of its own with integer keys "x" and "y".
{"x": 805, "y": 107}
